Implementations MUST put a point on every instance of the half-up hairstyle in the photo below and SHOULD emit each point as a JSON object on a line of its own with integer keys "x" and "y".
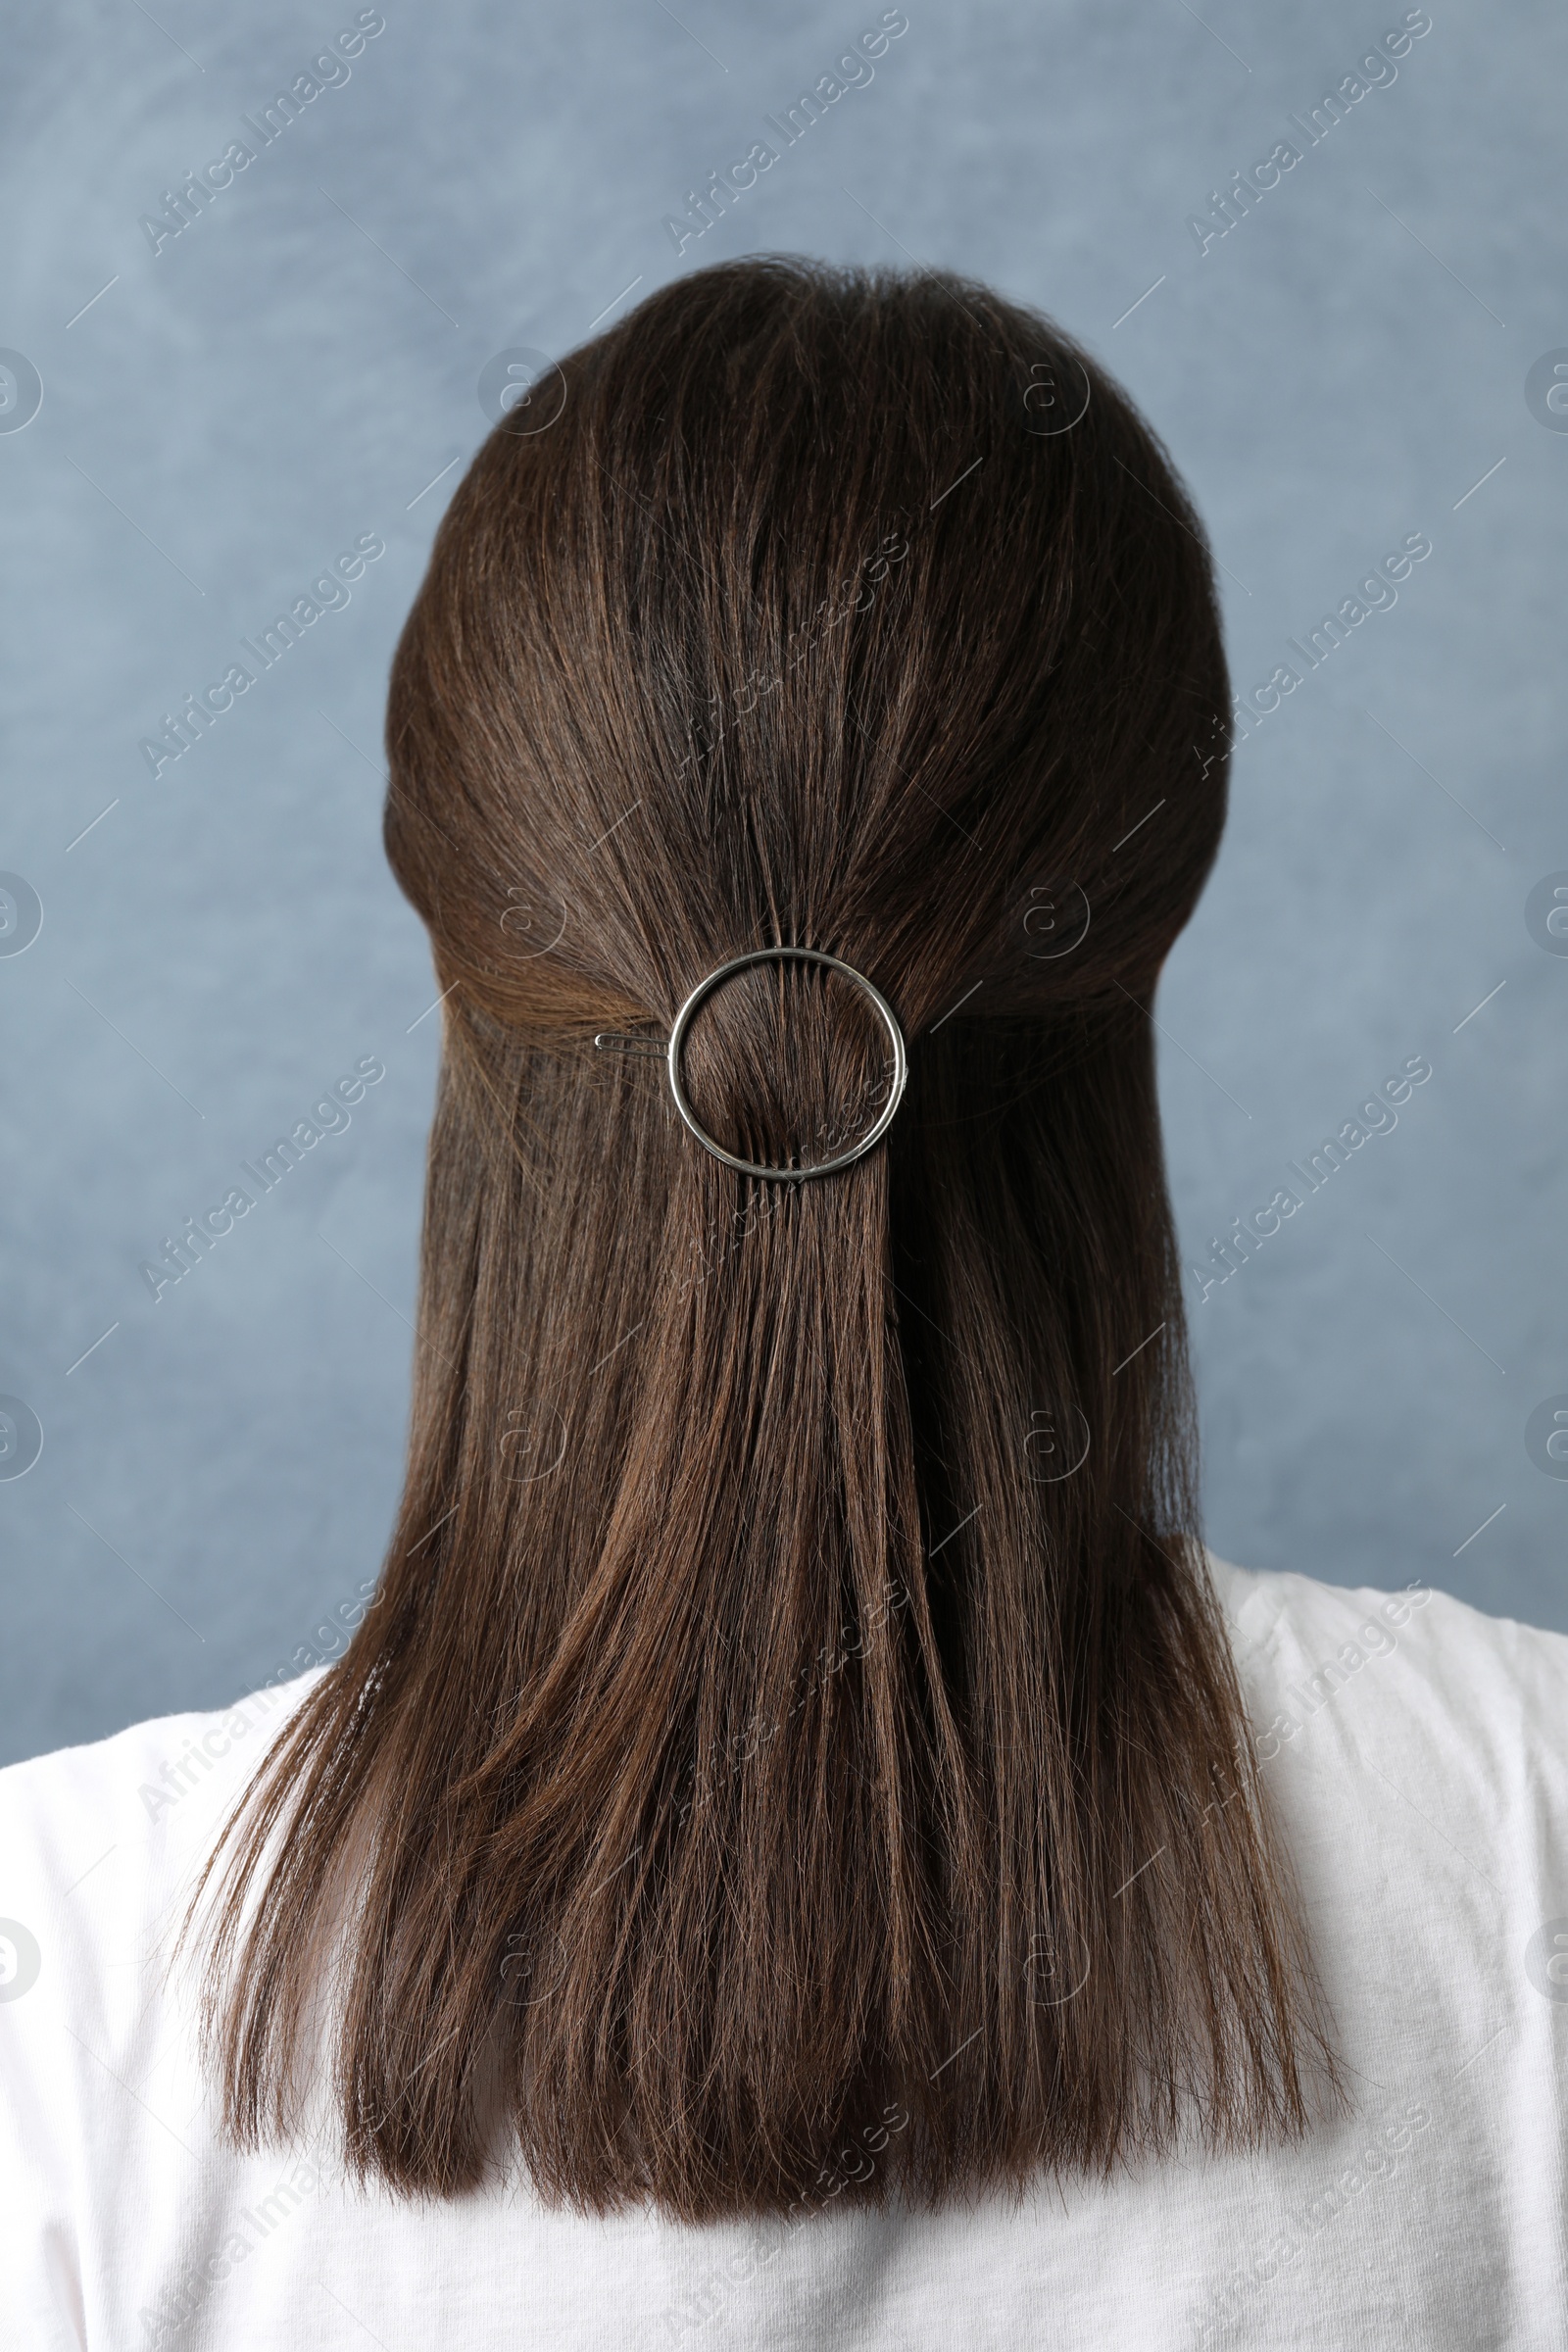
{"x": 795, "y": 1718}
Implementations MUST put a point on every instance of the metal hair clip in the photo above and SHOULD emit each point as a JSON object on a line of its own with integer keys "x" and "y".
{"x": 670, "y": 1054}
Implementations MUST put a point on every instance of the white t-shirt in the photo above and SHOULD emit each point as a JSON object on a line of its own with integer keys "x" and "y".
{"x": 1416, "y": 1754}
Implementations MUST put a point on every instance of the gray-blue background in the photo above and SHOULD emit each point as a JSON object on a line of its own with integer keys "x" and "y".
{"x": 299, "y": 368}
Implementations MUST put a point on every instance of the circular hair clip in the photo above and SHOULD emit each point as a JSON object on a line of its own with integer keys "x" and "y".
{"x": 670, "y": 1054}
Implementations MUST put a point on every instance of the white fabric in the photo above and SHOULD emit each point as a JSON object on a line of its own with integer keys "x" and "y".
{"x": 1417, "y": 1757}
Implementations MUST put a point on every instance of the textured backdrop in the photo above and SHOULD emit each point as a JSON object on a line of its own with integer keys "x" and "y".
{"x": 1349, "y": 353}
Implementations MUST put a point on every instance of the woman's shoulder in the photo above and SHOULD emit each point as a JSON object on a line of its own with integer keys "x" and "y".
{"x": 83, "y": 1825}
{"x": 1416, "y": 1664}
{"x": 101, "y": 1847}
{"x": 1274, "y": 1604}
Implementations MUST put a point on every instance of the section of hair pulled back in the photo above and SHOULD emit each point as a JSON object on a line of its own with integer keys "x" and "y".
{"x": 795, "y": 1743}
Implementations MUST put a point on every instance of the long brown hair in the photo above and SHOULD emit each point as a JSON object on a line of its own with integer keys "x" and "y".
{"x": 795, "y": 1699}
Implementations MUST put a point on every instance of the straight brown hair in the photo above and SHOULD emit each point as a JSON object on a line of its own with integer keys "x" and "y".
{"x": 795, "y": 1718}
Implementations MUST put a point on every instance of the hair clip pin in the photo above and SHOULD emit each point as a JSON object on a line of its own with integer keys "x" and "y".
{"x": 611, "y": 1040}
